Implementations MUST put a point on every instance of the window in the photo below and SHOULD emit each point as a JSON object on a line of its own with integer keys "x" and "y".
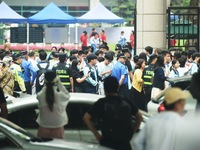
{"x": 25, "y": 118}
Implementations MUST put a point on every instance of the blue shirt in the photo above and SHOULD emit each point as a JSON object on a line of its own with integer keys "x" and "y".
{"x": 118, "y": 70}
{"x": 29, "y": 71}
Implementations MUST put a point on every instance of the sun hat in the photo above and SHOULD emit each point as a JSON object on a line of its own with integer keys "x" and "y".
{"x": 173, "y": 95}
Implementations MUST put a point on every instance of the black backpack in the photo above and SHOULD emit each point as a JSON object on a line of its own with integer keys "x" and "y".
{"x": 117, "y": 123}
{"x": 40, "y": 77}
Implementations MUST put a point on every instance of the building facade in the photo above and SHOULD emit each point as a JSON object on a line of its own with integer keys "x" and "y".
{"x": 74, "y": 8}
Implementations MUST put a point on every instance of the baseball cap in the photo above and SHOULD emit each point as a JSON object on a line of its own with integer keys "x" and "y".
{"x": 175, "y": 94}
{"x": 7, "y": 60}
{"x": 118, "y": 47}
{"x": 120, "y": 55}
{"x": 16, "y": 56}
{"x": 102, "y": 46}
{"x": 23, "y": 53}
{"x": 62, "y": 56}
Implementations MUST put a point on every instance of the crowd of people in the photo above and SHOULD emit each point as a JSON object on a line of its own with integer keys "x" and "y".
{"x": 94, "y": 69}
{"x": 141, "y": 77}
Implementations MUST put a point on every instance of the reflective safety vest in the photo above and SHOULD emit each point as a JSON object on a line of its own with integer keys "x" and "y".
{"x": 148, "y": 75}
{"x": 63, "y": 71}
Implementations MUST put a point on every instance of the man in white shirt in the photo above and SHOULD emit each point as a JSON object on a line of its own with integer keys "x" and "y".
{"x": 159, "y": 132}
{"x": 95, "y": 42}
{"x": 104, "y": 70}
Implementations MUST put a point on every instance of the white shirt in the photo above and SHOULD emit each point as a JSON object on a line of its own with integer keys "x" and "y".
{"x": 103, "y": 68}
{"x": 89, "y": 79}
{"x": 34, "y": 63}
{"x": 194, "y": 68}
{"x": 159, "y": 132}
{"x": 58, "y": 117}
{"x": 52, "y": 63}
{"x": 182, "y": 71}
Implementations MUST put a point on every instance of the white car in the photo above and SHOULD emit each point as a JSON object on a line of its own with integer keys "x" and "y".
{"x": 182, "y": 82}
{"x": 13, "y": 137}
{"x": 23, "y": 111}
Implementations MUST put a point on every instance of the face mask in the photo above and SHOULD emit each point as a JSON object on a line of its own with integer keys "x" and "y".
{"x": 78, "y": 67}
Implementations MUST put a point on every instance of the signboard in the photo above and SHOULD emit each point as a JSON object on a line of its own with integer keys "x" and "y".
{"x": 19, "y": 34}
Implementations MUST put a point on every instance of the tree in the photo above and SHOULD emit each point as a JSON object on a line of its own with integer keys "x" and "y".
{"x": 124, "y": 9}
{"x": 179, "y": 3}
{"x": 185, "y": 3}
{"x": 194, "y": 3}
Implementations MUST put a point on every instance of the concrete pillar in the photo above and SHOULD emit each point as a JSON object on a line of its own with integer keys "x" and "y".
{"x": 151, "y": 24}
{"x": 93, "y": 3}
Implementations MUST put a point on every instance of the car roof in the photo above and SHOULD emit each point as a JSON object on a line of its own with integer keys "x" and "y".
{"x": 29, "y": 100}
{"x": 179, "y": 79}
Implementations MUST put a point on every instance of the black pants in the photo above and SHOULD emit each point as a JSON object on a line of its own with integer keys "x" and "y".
{"x": 138, "y": 99}
{"x": 117, "y": 145}
{"x": 78, "y": 89}
{"x": 28, "y": 87}
{"x": 147, "y": 93}
{"x": 84, "y": 48}
{"x": 123, "y": 91}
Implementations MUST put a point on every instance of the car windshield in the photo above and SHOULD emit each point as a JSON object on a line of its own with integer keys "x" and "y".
{"x": 6, "y": 125}
{"x": 180, "y": 83}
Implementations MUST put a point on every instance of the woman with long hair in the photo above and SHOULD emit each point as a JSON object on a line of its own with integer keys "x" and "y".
{"x": 53, "y": 100}
{"x": 78, "y": 77}
{"x": 137, "y": 93}
{"x": 159, "y": 77}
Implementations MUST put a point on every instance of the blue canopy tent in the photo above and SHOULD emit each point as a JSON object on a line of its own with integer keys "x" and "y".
{"x": 8, "y": 15}
{"x": 51, "y": 14}
{"x": 99, "y": 14}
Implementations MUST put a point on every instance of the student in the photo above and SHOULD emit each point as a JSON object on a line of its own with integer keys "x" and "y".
{"x": 174, "y": 71}
{"x": 159, "y": 77}
{"x": 53, "y": 100}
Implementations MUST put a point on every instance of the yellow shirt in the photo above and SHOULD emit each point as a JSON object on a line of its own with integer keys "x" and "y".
{"x": 137, "y": 80}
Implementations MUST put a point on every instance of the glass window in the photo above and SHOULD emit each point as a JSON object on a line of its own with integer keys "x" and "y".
{"x": 5, "y": 142}
{"x": 16, "y": 8}
{"x": 80, "y": 8}
{"x": 25, "y": 117}
{"x": 33, "y": 8}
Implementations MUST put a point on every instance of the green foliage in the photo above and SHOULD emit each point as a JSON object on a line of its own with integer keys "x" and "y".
{"x": 124, "y": 9}
{"x": 184, "y": 3}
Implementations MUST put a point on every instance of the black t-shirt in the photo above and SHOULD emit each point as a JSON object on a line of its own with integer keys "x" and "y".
{"x": 75, "y": 74}
{"x": 128, "y": 64}
{"x": 97, "y": 110}
{"x": 2, "y": 97}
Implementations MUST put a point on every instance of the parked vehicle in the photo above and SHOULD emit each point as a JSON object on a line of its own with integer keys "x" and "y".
{"x": 156, "y": 105}
{"x": 23, "y": 111}
{"x": 14, "y": 137}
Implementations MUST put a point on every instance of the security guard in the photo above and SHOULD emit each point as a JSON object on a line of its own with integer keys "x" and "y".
{"x": 64, "y": 72}
{"x": 148, "y": 77}
{"x": 17, "y": 71}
